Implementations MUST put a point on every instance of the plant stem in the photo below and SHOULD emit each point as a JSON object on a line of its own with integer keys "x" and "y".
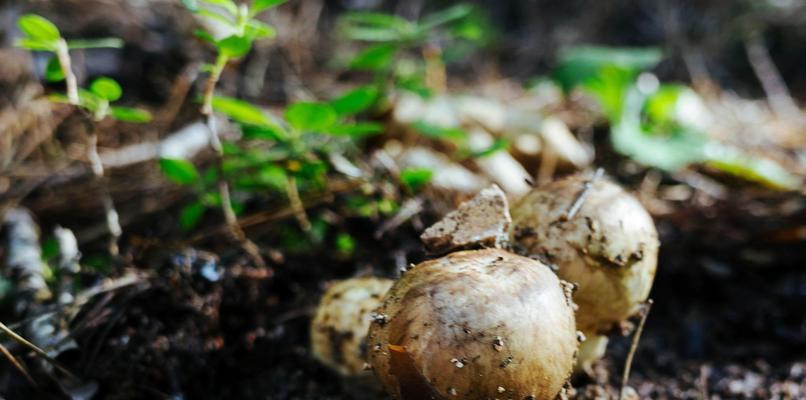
{"x": 633, "y": 347}
{"x": 296, "y": 204}
{"x": 63, "y": 54}
{"x": 215, "y": 143}
{"x": 111, "y": 214}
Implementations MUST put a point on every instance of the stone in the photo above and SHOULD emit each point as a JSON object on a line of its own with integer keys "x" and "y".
{"x": 482, "y": 221}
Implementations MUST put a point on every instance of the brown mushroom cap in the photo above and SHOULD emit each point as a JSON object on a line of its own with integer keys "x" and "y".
{"x": 339, "y": 328}
{"x": 477, "y": 324}
{"x": 609, "y": 248}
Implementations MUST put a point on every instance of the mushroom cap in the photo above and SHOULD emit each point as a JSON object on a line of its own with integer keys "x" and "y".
{"x": 478, "y": 324}
{"x": 609, "y": 248}
{"x": 339, "y": 328}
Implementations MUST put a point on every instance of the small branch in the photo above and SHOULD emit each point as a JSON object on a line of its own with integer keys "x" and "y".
{"x": 633, "y": 347}
{"x": 771, "y": 81}
{"x": 580, "y": 199}
{"x": 297, "y": 205}
{"x": 63, "y": 54}
{"x": 25, "y": 343}
{"x": 17, "y": 364}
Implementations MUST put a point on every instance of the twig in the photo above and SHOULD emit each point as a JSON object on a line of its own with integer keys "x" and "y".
{"x": 25, "y": 343}
{"x": 410, "y": 208}
{"x": 633, "y": 347}
{"x": 223, "y": 188}
{"x": 111, "y": 214}
{"x": 17, "y": 364}
{"x": 296, "y": 204}
{"x": 771, "y": 81}
{"x": 580, "y": 199}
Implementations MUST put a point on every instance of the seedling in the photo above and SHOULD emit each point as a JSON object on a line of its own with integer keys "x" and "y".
{"x": 39, "y": 34}
{"x": 391, "y": 39}
{"x": 642, "y": 118}
{"x": 244, "y": 29}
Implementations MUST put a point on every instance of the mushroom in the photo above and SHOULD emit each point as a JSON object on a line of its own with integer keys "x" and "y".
{"x": 601, "y": 239}
{"x": 339, "y": 328}
{"x": 477, "y": 324}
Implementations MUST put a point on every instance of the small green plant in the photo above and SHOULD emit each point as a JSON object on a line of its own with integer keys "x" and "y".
{"x": 411, "y": 55}
{"x": 642, "y": 121}
{"x": 285, "y": 155}
{"x": 391, "y": 41}
{"x": 244, "y": 29}
{"x": 39, "y": 34}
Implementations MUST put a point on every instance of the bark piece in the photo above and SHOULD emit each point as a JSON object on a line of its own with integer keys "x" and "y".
{"x": 482, "y": 221}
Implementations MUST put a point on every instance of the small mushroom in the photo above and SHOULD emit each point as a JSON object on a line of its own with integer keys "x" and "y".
{"x": 601, "y": 239}
{"x": 339, "y": 328}
{"x": 470, "y": 323}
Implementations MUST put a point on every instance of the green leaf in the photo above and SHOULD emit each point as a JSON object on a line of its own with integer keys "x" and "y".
{"x": 106, "y": 88}
{"x": 374, "y": 58}
{"x": 89, "y": 100}
{"x": 376, "y": 27}
{"x": 264, "y": 132}
{"x": 50, "y": 248}
{"x": 448, "y": 15}
{"x": 234, "y": 46}
{"x": 273, "y": 176}
{"x": 128, "y": 114}
{"x": 355, "y": 101}
{"x": 113, "y": 43}
{"x": 36, "y": 44}
{"x": 577, "y": 65}
{"x": 356, "y": 130}
{"x": 311, "y": 117}
{"x": 259, "y": 6}
{"x": 205, "y": 36}
{"x": 227, "y": 21}
{"x": 190, "y": 215}
{"x": 668, "y": 152}
{"x": 660, "y": 106}
{"x": 498, "y": 145}
{"x": 241, "y": 111}
{"x": 179, "y": 171}
{"x": 439, "y": 132}
{"x": 38, "y": 28}
{"x": 345, "y": 243}
{"x": 259, "y": 30}
{"x": 53, "y": 71}
{"x": 415, "y": 178}
{"x": 751, "y": 167}
{"x": 228, "y": 5}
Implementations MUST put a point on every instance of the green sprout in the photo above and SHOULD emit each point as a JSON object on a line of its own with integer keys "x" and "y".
{"x": 642, "y": 123}
{"x": 440, "y": 37}
{"x": 39, "y": 34}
